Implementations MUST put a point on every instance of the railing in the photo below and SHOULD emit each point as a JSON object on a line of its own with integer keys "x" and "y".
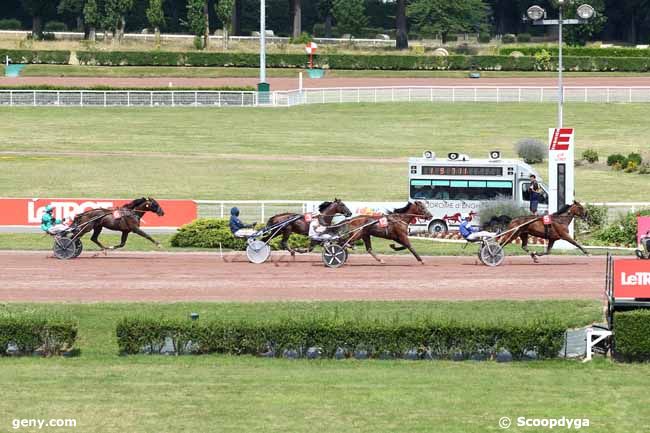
{"x": 127, "y": 98}
{"x": 210, "y": 98}
{"x": 456, "y": 94}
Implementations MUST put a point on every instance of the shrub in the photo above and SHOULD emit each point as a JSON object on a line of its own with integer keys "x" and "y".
{"x": 523, "y": 37}
{"x": 630, "y": 167}
{"x": 590, "y": 155}
{"x": 645, "y": 168}
{"x": 508, "y": 38}
{"x": 580, "y": 51}
{"x": 215, "y": 232}
{"x": 55, "y": 26}
{"x": 596, "y": 219}
{"x": 496, "y": 214}
{"x": 466, "y": 50}
{"x": 616, "y": 158}
{"x": 429, "y": 336}
{"x": 623, "y": 231}
{"x": 10, "y": 24}
{"x": 30, "y": 333}
{"x": 318, "y": 30}
{"x": 484, "y": 38}
{"x": 632, "y": 335}
{"x": 29, "y": 56}
{"x": 531, "y": 150}
{"x": 543, "y": 61}
{"x": 635, "y": 158}
{"x": 451, "y": 38}
{"x": 303, "y": 39}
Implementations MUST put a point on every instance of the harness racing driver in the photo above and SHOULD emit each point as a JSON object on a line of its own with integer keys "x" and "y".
{"x": 49, "y": 224}
{"x": 237, "y": 227}
{"x": 472, "y": 233}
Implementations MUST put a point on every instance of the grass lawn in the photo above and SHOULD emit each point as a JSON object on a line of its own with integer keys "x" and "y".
{"x": 294, "y": 153}
{"x": 108, "y": 393}
{"x": 214, "y": 72}
{"x": 39, "y": 242}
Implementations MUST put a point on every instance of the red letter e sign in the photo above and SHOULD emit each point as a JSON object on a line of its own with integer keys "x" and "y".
{"x": 561, "y": 139}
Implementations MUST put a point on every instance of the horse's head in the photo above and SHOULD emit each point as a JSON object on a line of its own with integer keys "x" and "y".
{"x": 149, "y": 205}
{"x": 334, "y": 207}
{"x": 578, "y": 210}
{"x": 419, "y": 209}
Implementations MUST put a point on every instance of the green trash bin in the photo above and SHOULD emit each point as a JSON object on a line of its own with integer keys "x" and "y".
{"x": 263, "y": 93}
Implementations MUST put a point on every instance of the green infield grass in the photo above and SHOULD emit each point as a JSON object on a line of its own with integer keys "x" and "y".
{"x": 105, "y": 392}
{"x": 357, "y": 152}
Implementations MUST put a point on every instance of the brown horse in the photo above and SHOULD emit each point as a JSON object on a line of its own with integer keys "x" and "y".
{"x": 125, "y": 219}
{"x": 396, "y": 228}
{"x": 299, "y": 226}
{"x": 556, "y": 230}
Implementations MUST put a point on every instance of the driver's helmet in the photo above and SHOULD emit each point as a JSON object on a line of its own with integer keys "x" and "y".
{"x": 49, "y": 208}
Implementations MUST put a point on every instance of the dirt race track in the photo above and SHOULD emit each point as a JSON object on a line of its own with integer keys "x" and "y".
{"x": 124, "y": 276}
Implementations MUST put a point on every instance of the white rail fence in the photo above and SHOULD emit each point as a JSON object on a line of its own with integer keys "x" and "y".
{"x": 209, "y": 98}
{"x": 260, "y": 211}
{"x": 451, "y": 94}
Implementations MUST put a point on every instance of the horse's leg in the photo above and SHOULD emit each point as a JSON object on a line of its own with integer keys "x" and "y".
{"x": 125, "y": 235}
{"x": 407, "y": 244}
{"x": 396, "y": 248}
{"x": 548, "y": 248}
{"x": 95, "y": 237}
{"x": 524, "y": 245}
{"x": 138, "y": 231}
{"x": 565, "y": 237}
{"x": 368, "y": 244}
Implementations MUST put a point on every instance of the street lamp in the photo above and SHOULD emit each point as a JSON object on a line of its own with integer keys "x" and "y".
{"x": 537, "y": 15}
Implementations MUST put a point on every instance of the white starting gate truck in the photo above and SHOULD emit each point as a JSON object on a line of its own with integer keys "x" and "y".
{"x": 455, "y": 187}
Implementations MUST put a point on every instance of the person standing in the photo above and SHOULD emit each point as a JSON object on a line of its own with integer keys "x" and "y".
{"x": 534, "y": 193}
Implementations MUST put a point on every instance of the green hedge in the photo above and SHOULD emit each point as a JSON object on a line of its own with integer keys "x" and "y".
{"x": 579, "y": 51}
{"x": 632, "y": 335}
{"x": 29, "y": 334}
{"x": 335, "y": 61}
{"x": 31, "y": 56}
{"x": 431, "y": 338}
{"x": 215, "y": 232}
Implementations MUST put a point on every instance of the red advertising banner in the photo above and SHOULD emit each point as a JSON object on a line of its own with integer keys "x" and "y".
{"x": 26, "y": 211}
{"x": 643, "y": 227}
{"x": 631, "y": 278}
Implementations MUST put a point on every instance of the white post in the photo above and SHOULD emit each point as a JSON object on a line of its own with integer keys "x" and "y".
{"x": 300, "y": 81}
{"x": 11, "y": 98}
{"x": 196, "y": 99}
{"x": 498, "y": 94}
{"x": 34, "y": 98}
{"x": 128, "y": 98}
{"x": 104, "y": 99}
{"x": 81, "y": 98}
{"x": 519, "y": 96}
{"x": 629, "y": 95}
{"x": 58, "y": 98}
{"x": 560, "y": 106}
{"x": 263, "y": 41}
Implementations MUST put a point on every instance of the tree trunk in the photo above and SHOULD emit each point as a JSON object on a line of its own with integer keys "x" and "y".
{"x": 225, "y": 37}
{"x": 631, "y": 30}
{"x": 297, "y": 18}
{"x": 37, "y": 25}
{"x": 157, "y": 33}
{"x": 401, "y": 39}
{"x": 80, "y": 23}
{"x": 206, "y": 33}
{"x": 235, "y": 18}
{"x": 120, "y": 30}
{"x": 92, "y": 34}
{"x": 328, "y": 25}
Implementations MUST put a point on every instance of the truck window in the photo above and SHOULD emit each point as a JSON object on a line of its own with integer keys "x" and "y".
{"x": 525, "y": 193}
{"x": 477, "y": 190}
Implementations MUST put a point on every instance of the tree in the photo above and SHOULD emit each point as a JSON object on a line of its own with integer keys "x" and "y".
{"x": 224, "y": 10}
{"x": 156, "y": 17}
{"x": 92, "y": 17}
{"x": 581, "y": 33}
{"x": 37, "y": 9}
{"x": 350, "y": 15}
{"x": 72, "y": 8}
{"x": 325, "y": 13}
{"x": 198, "y": 20}
{"x": 115, "y": 12}
{"x": 296, "y": 11}
{"x": 444, "y": 17}
{"x": 401, "y": 37}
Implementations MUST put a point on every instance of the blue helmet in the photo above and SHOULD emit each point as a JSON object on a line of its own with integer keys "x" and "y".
{"x": 49, "y": 208}
{"x": 234, "y": 211}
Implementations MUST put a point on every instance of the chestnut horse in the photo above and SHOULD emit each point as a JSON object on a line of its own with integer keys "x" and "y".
{"x": 125, "y": 219}
{"x": 299, "y": 226}
{"x": 556, "y": 230}
{"x": 396, "y": 228}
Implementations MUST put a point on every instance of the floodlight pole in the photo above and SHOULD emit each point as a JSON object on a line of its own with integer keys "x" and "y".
{"x": 560, "y": 84}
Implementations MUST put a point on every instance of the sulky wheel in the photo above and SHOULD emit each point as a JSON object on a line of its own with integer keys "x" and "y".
{"x": 64, "y": 248}
{"x": 491, "y": 254}
{"x": 334, "y": 255}
{"x": 78, "y": 248}
{"x": 258, "y": 252}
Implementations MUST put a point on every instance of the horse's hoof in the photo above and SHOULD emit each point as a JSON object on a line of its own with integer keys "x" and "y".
{"x": 111, "y": 248}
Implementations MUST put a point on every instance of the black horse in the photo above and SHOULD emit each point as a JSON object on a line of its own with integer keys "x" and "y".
{"x": 125, "y": 219}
